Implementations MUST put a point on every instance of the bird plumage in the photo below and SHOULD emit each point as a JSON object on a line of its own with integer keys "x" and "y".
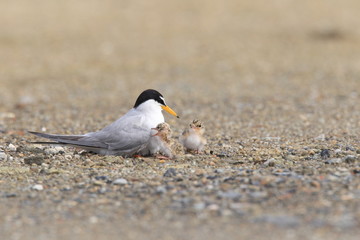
{"x": 192, "y": 137}
{"x": 126, "y": 136}
{"x": 160, "y": 140}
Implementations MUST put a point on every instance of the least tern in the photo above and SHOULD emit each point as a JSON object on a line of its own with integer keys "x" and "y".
{"x": 127, "y": 136}
{"x": 160, "y": 140}
{"x": 192, "y": 138}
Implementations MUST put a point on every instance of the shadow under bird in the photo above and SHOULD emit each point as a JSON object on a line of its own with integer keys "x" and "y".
{"x": 127, "y": 136}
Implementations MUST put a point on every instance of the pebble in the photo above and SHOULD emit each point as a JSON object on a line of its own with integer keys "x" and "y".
{"x": 93, "y": 219}
{"x": 120, "y": 181}
{"x": 213, "y": 207}
{"x": 270, "y": 162}
{"x": 160, "y": 190}
{"x": 199, "y": 206}
{"x": 258, "y": 195}
{"x": 37, "y": 187}
{"x": 170, "y": 172}
{"x": 337, "y": 150}
{"x": 350, "y": 159}
{"x": 219, "y": 170}
{"x": 101, "y": 183}
{"x": 3, "y": 155}
{"x": 333, "y": 161}
{"x": 11, "y": 147}
{"x": 321, "y": 137}
{"x": 102, "y": 178}
{"x": 200, "y": 172}
{"x": 10, "y": 195}
{"x": 229, "y": 194}
{"x": 38, "y": 160}
{"x": 102, "y": 190}
{"x": 54, "y": 150}
{"x": 281, "y": 221}
{"x": 325, "y": 154}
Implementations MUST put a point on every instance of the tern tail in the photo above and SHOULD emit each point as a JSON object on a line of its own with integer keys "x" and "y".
{"x": 74, "y": 140}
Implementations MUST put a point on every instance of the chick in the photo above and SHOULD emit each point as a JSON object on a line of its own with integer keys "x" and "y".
{"x": 160, "y": 140}
{"x": 192, "y": 138}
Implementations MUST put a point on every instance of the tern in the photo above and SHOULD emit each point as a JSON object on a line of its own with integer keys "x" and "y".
{"x": 127, "y": 136}
{"x": 160, "y": 141}
{"x": 192, "y": 138}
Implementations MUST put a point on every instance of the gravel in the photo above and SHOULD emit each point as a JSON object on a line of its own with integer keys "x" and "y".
{"x": 3, "y": 155}
{"x": 277, "y": 93}
{"x": 120, "y": 181}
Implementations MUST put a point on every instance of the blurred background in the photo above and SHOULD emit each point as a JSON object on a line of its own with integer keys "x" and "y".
{"x": 91, "y": 59}
{"x": 270, "y": 79}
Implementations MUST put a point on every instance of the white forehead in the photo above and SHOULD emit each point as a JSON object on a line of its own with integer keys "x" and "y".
{"x": 162, "y": 98}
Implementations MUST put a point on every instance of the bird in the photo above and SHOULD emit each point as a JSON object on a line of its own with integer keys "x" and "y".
{"x": 192, "y": 138}
{"x": 160, "y": 140}
{"x": 127, "y": 136}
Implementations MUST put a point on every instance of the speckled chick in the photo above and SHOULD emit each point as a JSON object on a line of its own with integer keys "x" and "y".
{"x": 160, "y": 140}
{"x": 192, "y": 138}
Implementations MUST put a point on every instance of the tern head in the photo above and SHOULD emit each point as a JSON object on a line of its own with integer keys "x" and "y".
{"x": 197, "y": 125}
{"x": 153, "y": 95}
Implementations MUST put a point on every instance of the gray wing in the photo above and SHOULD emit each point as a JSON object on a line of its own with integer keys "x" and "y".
{"x": 125, "y": 135}
{"x": 119, "y": 137}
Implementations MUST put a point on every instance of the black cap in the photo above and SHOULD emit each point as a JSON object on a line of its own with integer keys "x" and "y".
{"x": 149, "y": 94}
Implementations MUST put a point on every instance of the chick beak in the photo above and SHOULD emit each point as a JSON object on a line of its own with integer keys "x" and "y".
{"x": 169, "y": 110}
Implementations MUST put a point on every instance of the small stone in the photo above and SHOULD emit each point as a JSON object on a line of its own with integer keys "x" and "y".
{"x": 200, "y": 172}
{"x": 258, "y": 195}
{"x": 281, "y": 220}
{"x": 53, "y": 171}
{"x": 88, "y": 161}
{"x": 54, "y": 150}
{"x": 93, "y": 219}
{"x": 37, "y": 187}
{"x": 102, "y": 190}
{"x": 333, "y": 161}
{"x": 337, "y": 150}
{"x": 65, "y": 188}
{"x": 350, "y": 148}
{"x": 100, "y": 183}
{"x": 270, "y": 162}
{"x": 229, "y": 195}
{"x": 325, "y": 154}
{"x": 350, "y": 159}
{"x": 160, "y": 190}
{"x": 199, "y": 206}
{"x": 170, "y": 172}
{"x": 291, "y": 157}
{"x": 11, "y": 147}
{"x": 321, "y": 137}
{"x": 213, "y": 207}
{"x": 219, "y": 170}
{"x": 10, "y": 195}
{"x": 38, "y": 160}
{"x": 120, "y": 181}
{"x": 102, "y": 178}
{"x": 3, "y": 155}
{"x": 35, "y": 150}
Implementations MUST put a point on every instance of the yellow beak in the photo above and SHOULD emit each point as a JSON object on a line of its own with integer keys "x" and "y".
{"x": 169, "y": 110}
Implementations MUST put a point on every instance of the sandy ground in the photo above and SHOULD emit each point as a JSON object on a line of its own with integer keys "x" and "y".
{"x": 276, "y": 84}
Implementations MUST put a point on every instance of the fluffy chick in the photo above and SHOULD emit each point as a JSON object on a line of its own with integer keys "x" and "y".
{"x": 160, "y": 140}
{"x": 192, "y": 138}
